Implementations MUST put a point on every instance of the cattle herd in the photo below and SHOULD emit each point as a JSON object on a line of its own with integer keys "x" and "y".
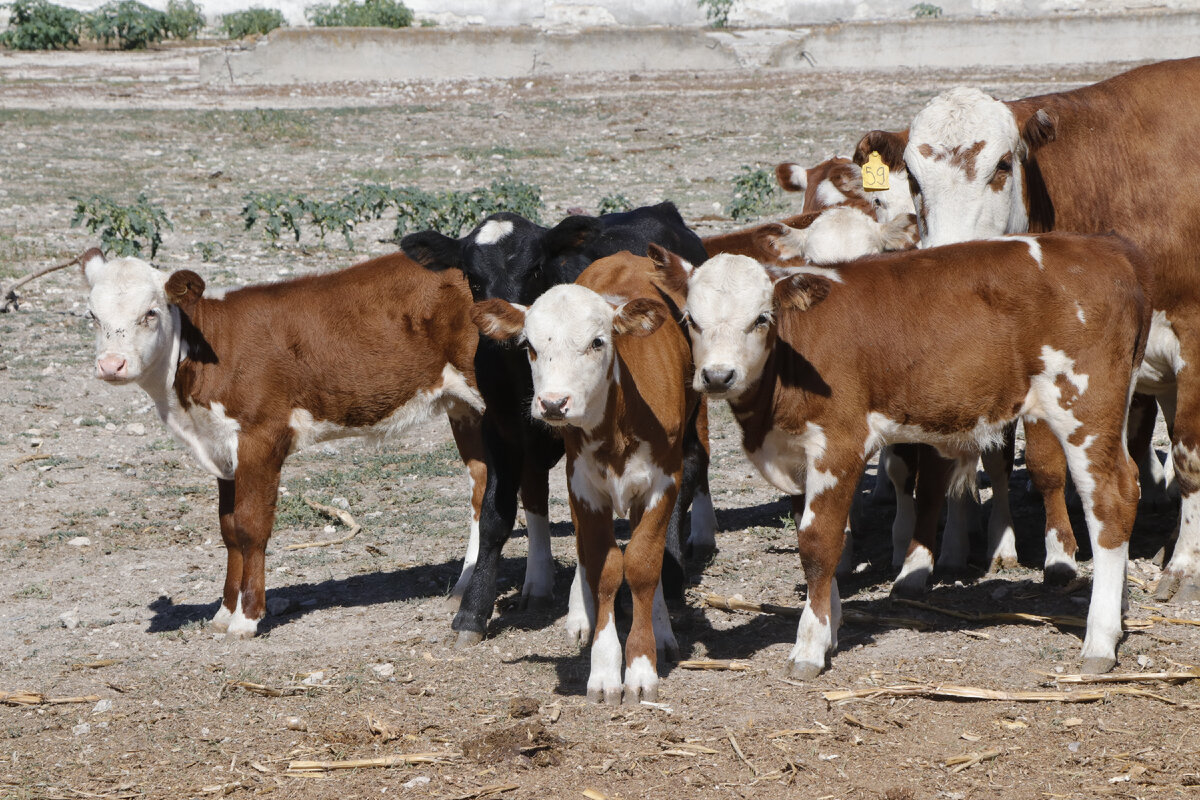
{"x": 900, "y": 319}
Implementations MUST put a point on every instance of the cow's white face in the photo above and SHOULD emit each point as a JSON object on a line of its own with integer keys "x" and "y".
{"x": 730, "y": 308}
{"x": 963, "y": 158}
{"x": 135, "y": 325}
{"x": 569, "y": 339}
{"x": 568, "y": 333}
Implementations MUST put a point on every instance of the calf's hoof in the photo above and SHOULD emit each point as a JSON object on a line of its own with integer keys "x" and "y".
{"x": 1002, "y": 562}
{"x": 634, "y": 695}
{"x": 610, "y": 697}
{"x": 1177, "y": 588}
{"x": 579, "y": 632}
{"x": 700, "y": 553}
{"x": 536, "y": 602}
{"x": 911, "y": 586}
{"x": 467, "y": 639}
{"x": 1097, "y": 665}
{"x": 1058, "y": 574}
{"x": 804, "y": 670}
{"x": 220, "y": 620}
{"x": 669, "y": 651}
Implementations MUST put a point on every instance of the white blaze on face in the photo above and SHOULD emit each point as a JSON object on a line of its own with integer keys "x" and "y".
{"x": 955, "y": 146}
{"x": 493, "y": 231}
{"x": 134, "y": 324}
{"x": 729, "y": 308}
{"x": 569, "y": 330}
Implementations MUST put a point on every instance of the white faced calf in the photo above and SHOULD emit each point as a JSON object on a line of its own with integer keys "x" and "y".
{"x": 818, "y": 380}
{"x": 245, "y": 380}
{"x": 613, "y": 379}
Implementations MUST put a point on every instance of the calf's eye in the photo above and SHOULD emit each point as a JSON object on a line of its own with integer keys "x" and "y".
{"x": 597, "y": 343}
{"x": 762, "y": 321}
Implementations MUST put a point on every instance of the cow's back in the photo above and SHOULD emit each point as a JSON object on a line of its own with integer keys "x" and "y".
{"x": 1123, "y": 159}
{"x": 351, "y": 345}
{"x": 928, "y": 328}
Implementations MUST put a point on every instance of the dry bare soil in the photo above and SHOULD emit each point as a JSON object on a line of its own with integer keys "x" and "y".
{"x": 112, "y": 562}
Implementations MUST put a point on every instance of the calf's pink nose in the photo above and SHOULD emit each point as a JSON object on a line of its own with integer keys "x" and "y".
{"x": 554, "y": 406}
{"x": 109, "y": 367}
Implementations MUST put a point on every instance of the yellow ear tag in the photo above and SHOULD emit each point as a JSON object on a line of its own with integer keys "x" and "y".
{"x": 875, "y": 174}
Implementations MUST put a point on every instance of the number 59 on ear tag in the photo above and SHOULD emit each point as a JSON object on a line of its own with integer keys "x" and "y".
{"x": 875, "y": 174}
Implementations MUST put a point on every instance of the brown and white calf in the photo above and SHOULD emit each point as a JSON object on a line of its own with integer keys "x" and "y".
{"x": 612, "y": 373}
{"x": 830, "y": 236}
{"x": 1118, "y": 155}
{"x": 1048, "y": 328}
{"x": 837, "y": 183}
{"x": 245, "y": 379}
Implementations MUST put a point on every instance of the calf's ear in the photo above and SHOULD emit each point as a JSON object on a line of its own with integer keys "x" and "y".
{"x": 570, "y": 234}
{"x": 671, "y": 271}
{"x": 432, "y": 250}
{"x": 92, "y": 263}
{"x": 889, "y": 144}
{"x": 641, "y": 316}
{"x": 499, "y": 319}
{"x": 786, "y": 243}
{"x": 791, "y": 177}
{"x": 184, "y": 289}
{"x": 801, "y": 292}
{"x": 1041, "y": 128}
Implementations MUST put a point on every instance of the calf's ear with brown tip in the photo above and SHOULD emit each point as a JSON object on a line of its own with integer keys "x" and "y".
{"x": 641, "y": 316}
{"x": 801, "y": 292}
{"x": 499, "y": 319}
{"x": 92, "y": 263}
{"x": 791, "y": 177}
{"x": 184, "y": 289}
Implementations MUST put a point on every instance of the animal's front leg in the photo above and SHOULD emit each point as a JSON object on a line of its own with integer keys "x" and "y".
{"x": 829, "y": 491}
{"x": 257, "y": 488}
{"x": 497, "y": 514}
{"x": 604, "y": 567}
{"x": 643, "y": 565}
{"x": 538, "y": 590}
{"x": 233, "y": 557}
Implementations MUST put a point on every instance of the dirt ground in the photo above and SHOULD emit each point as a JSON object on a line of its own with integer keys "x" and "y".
{"x": 112, "y": 560}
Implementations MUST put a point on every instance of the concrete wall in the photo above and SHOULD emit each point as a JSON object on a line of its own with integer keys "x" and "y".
{"x": 348, "y": 54}
{"x": 590, "y": 13}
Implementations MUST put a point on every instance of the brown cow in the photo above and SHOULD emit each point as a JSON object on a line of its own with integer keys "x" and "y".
{"x": 818, "y": 380}
{"x": 244, "y": 380}
{"x": 616, "y": 382}
{"x": 1119, "y": 155}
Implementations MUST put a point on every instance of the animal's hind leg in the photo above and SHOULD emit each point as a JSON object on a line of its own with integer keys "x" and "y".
{"x": 694, "y": 490}
{"x": 1002, "y": 540}
{"x": 1047, "y": 467}
{"x": 1106, "y": 479}
{"x": 468, "y": 436}
{"x": 1143, "y": 414}
{"x": 933, "y": 478}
